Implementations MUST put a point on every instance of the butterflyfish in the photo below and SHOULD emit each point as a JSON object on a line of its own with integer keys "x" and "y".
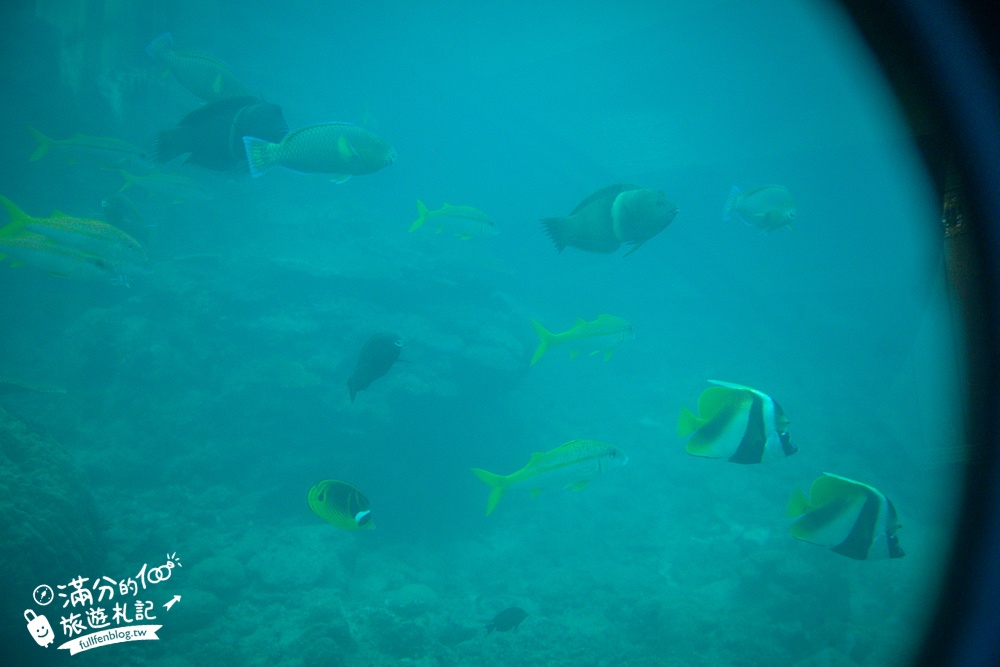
{"x": 850, "y": 518}
{"x": 738, "y": 423}
{"x": 341, "y": 504}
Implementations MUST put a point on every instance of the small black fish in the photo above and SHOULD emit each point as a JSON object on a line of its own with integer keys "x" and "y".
{"x": 213, "y": 134}
{"x": 377, "y": 356}
{"x": 506, "y": 620}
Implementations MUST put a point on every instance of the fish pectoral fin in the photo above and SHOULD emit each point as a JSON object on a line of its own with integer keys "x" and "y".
{"x": 339, "y": 178}
{"x": 608, "y": 353}
{"x": 217, "y": 84}
{"x": 634, "y": 248}
{"x": 574, "y": 354}
{"x": 345, "y": 148}
{"x": 464, "y": 237}
{"x": 535, "y": 492}
{"x": 576, "y": 486}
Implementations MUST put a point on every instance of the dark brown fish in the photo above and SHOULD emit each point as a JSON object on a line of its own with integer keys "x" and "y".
{"x": 212, "y": 135}
{"x": 506, "y": 620}
{"x": 377, "y": 356}
{"x": 612, "y": 216}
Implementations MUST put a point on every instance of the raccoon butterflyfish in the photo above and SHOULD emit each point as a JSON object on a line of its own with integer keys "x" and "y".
{"x": 341, "y": 504}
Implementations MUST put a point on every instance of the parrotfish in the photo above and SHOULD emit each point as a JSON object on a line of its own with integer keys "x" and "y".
{"x": 377, "y": 356}
{"x": 738, "y": 423}
{"x": 206, "y": 76}
{"x": 341, "y": 504}
{"x": 340, "y": 149}
{"x": 599, "y": 336}
{"x": 212, "y": 135}
{"x": 852, "y": 519}
{"x": 767, "y": 208}
{"x": 572, "y": 465}
{"x": 464, "y": 222}
{"x": 612, "y": 216}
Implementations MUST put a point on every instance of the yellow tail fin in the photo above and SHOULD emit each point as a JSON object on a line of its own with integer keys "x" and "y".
{"x": 422, "y": 213}
{"x": 17, "y": 218}
{"x": 545, "y": 338}
{"x": 44, "y": 144}
{"x": 498, "y": 486}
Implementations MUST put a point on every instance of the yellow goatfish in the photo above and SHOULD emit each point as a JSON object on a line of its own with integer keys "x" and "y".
{"x": 108, "y": 150}
{"x": 176, "y": 187}
{"x": 599, "y": 336}
{"x": 81, "y": 235}
{"x": 29, "y": 249}
{"x": 464, "y": 222}
{"x": 571, "y": 465}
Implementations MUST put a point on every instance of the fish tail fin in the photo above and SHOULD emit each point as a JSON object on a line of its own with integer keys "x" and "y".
{"x": 545, "y": 339}
{"x": 163, "y": 43}
{"x": 688, "y": 422}
{"x": 554, "y": 228}
{"x": 798, "y": 504}
{"x": 498, "y": 486}
{"x": 729, "y": 210}
{"x": 17, "y": 218}
{"x": 257, "y": 155}
{"x": 44, "y": 144}
{"x": 129, "y": 179}
{"x": 422, "y": 216}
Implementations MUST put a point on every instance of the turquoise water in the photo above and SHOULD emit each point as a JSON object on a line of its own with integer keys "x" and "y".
{"x": 190, "y": 412}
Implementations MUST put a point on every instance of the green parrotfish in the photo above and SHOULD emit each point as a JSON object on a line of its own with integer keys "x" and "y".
{"x": 340, "y": 149}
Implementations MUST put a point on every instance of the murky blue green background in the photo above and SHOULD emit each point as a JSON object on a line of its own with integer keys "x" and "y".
{"x": 202, "y": 402}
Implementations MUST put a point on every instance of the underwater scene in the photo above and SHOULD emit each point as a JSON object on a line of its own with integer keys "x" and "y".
{"x": 467, "y": 333}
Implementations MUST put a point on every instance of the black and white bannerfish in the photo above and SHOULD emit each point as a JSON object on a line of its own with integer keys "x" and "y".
{"x": 738, "y": 423}
{"x": 852, "y": 519}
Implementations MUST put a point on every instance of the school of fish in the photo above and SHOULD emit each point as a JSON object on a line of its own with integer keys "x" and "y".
{"x": 235, "y": 132}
